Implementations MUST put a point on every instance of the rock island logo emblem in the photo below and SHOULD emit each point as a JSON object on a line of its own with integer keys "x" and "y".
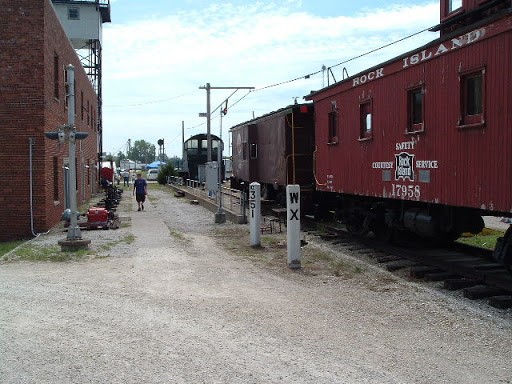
{"x": 404, "y": 167}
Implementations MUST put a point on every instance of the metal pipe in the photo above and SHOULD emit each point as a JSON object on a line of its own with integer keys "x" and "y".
{"x": 31, "y": 141}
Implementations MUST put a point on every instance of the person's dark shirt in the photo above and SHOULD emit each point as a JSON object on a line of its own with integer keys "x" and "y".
{"x": 140, "y": 185}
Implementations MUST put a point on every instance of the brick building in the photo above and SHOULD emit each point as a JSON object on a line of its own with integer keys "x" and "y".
{"x": 34, "y": 54}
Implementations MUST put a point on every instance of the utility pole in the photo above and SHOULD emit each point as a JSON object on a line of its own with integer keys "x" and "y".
{"x": 220, "y": 216}
{"x": 208, "y": 88}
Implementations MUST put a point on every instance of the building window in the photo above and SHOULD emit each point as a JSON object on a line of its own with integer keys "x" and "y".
{"x": 55, "y": 178}
{"x": 333, "y": 128}
{"x": 88, "y": 114}
{"x": 82, "y": 104}
{"x": 366, "y": 120}
{"x": 73, "y": 13}
{"x": 472, "y": 96}
{"x": 56, "y": 85}
{"x": 415, "y": 110}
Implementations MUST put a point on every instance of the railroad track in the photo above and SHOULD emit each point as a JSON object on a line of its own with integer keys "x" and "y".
{"x": 459, "y": 267}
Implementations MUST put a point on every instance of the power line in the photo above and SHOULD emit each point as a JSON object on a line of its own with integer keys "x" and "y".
{"x": 343, "y": 62}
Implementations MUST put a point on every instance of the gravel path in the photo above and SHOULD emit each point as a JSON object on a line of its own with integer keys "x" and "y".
{"x": 178, "y": 304}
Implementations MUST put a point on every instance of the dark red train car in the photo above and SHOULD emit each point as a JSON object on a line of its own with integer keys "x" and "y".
{"x": 275, "y": 150}
{"x": 423, "y": 141}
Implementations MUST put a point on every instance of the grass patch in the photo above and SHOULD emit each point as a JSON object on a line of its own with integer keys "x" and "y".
{"x": 128, "y": 239}
{"x": 485, "y": 239}
{"x": 52, "y": 253}
{"x": 152, "y": 198}
{"x": 273, "y": 254}
{"x": 9, "y": 246}
{"x": 177, "y": 234}
{"x": 35, "y": 253}
{"x": 319, "y": 262}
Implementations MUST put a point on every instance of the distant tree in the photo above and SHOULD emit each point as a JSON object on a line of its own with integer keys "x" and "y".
{"x": 165, "y": 171}
{"x": 175, "y": 161}
{"x": 142, "y": 152}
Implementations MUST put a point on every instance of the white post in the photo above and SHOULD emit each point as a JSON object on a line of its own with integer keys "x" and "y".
{"x": 293, "y": 225}
{"x": 255, "y": 214}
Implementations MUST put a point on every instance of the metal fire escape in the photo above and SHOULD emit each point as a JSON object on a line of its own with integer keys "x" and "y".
{"x": 82, "y": 20}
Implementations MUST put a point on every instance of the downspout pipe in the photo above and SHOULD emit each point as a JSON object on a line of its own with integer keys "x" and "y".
{"x": 31, "y": 142}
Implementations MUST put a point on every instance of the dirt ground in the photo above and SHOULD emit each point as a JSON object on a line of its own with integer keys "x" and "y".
{"x": 172, "y": 297}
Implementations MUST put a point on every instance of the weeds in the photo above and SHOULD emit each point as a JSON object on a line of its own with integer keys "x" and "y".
{"x": 177, "y": 234}
{"x": 273, "y": 254}
{"x": 9, "y": 246}
{"x": 35, "y": 253}
{"x": 44, "y": 253}
{"x": 485, "y": 239}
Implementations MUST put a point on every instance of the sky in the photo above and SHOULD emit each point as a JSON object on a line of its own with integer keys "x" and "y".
{"x": 157, "y": 54}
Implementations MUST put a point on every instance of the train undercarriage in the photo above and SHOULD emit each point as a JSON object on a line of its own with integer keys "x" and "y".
{"x": 390, "y": 219}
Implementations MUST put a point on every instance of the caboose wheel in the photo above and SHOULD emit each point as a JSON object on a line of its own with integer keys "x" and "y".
{"x": 383, "y": 231}
{"x": 503, "y": 250}
{"x": 281, "y": 198}
{"x": 265, "y": 191}
{"x": 448, "y": 238}
{"x": 357, "y": 224}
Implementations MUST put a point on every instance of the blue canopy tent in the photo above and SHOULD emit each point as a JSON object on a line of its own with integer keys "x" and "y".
{"x": 155, "y": 164}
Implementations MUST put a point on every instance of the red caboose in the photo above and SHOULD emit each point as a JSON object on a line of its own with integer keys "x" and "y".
{"x": 423, "y": 141}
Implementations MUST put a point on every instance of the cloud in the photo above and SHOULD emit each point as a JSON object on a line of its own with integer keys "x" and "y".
{"x": 149, "y": 63}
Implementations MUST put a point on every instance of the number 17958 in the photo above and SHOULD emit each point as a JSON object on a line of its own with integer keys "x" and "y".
{"x": 401, "y": 191}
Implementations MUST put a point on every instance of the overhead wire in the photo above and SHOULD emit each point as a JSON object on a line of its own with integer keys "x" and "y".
{"x": 307, "y": 76}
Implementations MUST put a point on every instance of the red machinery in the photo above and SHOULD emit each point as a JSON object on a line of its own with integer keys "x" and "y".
{"x": 97, "y": 218}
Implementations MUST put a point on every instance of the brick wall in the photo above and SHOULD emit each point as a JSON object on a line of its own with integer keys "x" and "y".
{"x": 30, "y": 38}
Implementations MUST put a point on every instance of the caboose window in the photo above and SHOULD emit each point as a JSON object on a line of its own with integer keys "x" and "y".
{"x": 453, "y": 5}
{"x": 366, "y": 123}
{"x": 415, "y": 110}
{"x": 333, "y": 128}
{"x": 254, "y": 151}
{"x": 474, "y": 94}
{"x": 472, "y": 98}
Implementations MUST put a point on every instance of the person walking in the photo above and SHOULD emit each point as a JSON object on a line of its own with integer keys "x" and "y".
{"x": 126, "y": 178}
{"x": 140, "y": 190}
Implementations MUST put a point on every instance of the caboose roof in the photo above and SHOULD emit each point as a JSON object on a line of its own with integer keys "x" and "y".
{"x": 281, "y": 111}
{"x": 459, "y": 32}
